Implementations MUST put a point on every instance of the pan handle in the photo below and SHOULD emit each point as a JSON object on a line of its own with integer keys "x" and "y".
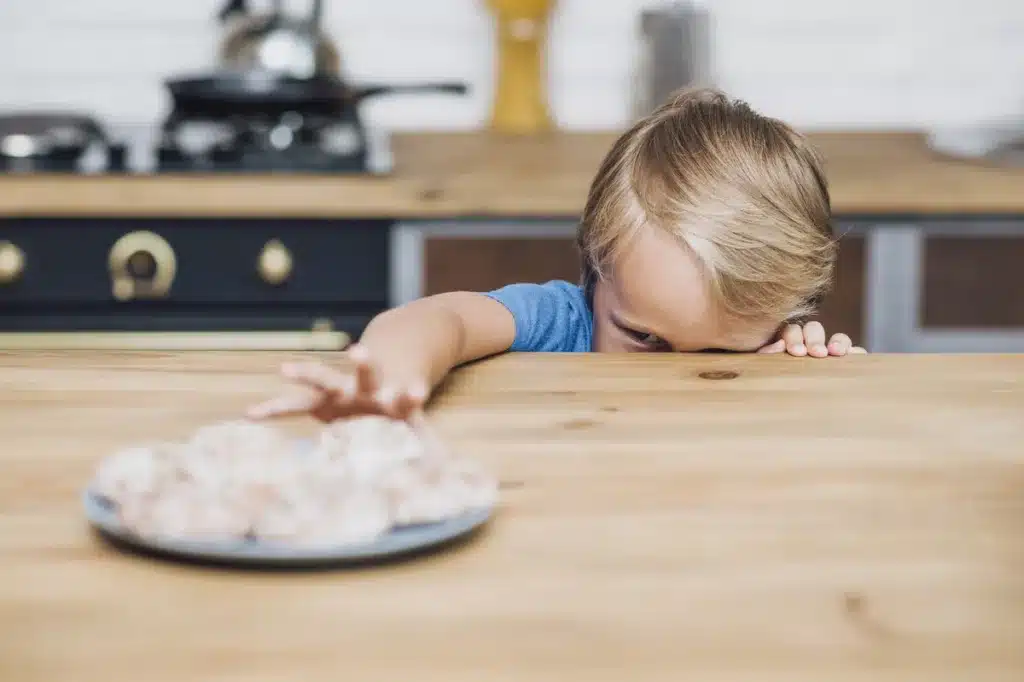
{"x": 367, "y": 91}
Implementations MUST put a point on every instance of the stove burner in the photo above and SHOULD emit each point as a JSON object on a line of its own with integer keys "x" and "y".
{"x": 293, "y": 142}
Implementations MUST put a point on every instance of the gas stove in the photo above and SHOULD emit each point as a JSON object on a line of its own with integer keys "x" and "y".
{"x": 292, "y": 145}
{"x": 291, "y": 142}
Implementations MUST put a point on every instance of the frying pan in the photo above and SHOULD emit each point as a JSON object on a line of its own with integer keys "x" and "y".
{"x": 267, "y": 93}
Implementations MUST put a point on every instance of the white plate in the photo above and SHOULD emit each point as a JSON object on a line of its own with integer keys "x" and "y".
{"x": 396, "y": 543}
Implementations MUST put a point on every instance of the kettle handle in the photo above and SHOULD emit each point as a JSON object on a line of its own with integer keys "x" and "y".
{"x": 233, "y": 7}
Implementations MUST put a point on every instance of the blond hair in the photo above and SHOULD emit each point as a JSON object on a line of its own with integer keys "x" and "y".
{"x": 744, "y": 192}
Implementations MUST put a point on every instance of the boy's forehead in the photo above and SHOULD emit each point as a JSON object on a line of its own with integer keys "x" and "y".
{"x": 660, "y": 285}
{"x": 656, "y": 277}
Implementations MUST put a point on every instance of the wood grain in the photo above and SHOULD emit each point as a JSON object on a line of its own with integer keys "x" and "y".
{"x": 478, "y": 174}
{"x": 839, "y": 520}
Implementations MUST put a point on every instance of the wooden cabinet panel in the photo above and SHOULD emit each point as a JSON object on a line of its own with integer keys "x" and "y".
{"x": 473, "y": 264}
{"x": 974, "y": 282}
{"x": 842, "y": 310}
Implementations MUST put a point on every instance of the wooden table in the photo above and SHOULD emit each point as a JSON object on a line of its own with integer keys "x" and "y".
{"x": 825, "y": 520}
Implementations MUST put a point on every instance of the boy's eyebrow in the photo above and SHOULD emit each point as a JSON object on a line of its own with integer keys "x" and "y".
{"x": 622, "y": 322}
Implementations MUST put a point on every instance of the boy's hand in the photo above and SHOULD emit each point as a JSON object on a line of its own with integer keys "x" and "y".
{"x": 809, "y": 339}
{"x": 329, "y": 394}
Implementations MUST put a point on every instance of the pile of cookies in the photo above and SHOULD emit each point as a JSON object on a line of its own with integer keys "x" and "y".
{"x": 242, "y": 480}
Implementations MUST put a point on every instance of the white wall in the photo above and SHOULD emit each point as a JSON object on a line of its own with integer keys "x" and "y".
{"x": 817, "y": 63}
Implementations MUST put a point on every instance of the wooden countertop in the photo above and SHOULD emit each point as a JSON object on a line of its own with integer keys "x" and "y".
{"x": 826, "y": 520}
{"x": 449, "y": 175}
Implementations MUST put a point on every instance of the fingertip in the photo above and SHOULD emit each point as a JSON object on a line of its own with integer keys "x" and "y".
{"x": 359, "y": 353}
{"x": 385, "y": 397}
{"x": 798, "y": 349}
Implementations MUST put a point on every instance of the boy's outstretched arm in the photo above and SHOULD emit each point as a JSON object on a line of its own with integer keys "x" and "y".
{"x": 420, "y": 342}
{"x": 402, "y": 355}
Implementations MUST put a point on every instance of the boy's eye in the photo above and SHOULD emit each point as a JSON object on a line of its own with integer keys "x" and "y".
{"x": 645, "y": 338}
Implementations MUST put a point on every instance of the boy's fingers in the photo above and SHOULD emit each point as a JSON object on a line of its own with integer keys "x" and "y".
{"x": 776, "y": 347}
{"x": 315, "y": 375}
{"x": 366, "y": 381}
{"x": 386, "y": 398}
{"x": 839, "y": 344}
{"x": 410, "y": 401}
{"x": 284, "y": 406}
{"x": 403, "y": 406}
{"x": 814, "y": 339}
{"x": 858, "y": 350}
{"x": 793, "y": 335}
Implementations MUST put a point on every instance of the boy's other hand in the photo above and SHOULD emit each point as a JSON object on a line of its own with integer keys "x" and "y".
{"x": 809, "y": 340}
{"x": 328, "y": 394}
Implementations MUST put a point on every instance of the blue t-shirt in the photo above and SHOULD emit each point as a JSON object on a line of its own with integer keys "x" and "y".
{"x": 550, "y": 318}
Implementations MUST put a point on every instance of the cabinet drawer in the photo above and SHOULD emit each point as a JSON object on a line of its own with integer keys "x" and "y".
{"x": 215, "y": 261}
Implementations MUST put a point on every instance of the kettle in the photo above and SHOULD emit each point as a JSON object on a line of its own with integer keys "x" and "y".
{"x": 276, "y": 42}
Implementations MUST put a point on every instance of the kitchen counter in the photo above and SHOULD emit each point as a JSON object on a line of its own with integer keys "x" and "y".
{"x": 454, "y": 175}
{"x": 853, "y": 519}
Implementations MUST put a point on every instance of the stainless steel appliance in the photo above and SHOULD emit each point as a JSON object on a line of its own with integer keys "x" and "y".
{"x": 675, "y": 52}
{"x": 999, "y": 145}
{"x": 277, "y": 42}
{"x": 276, "y": 103}
{"x": 53, "y": 142}
{"x": 261, "y": 122}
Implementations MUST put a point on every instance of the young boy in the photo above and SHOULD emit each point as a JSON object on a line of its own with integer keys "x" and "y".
{"x": 707, "y": 228}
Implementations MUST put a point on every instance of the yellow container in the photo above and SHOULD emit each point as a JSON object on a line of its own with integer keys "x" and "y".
{"x": 520, "y": 104}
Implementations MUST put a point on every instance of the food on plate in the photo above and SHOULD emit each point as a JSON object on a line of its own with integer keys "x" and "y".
{"x": 238, "y": 480}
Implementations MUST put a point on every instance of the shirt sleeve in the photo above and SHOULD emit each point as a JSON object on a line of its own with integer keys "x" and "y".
{"x": 549, "y": 318}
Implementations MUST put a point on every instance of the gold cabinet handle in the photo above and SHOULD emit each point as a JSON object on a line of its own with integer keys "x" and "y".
{"x": 12, "y": 262}
{"x": 141, "y": 247}
{"x": 275, "y": 263}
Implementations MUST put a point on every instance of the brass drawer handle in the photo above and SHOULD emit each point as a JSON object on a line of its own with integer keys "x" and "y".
{"x": 12, "y": 262}
{"x": 142, "y": 265}
{"x": 275, "y": 263}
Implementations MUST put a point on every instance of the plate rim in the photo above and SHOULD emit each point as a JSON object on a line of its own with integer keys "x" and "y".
{"x": 395, "y": 542}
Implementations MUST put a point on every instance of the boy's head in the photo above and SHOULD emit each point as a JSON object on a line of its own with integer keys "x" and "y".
{"x": 707, "y": 227}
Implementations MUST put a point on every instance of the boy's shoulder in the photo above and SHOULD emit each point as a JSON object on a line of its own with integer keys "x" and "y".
{"x": 553, "y": 316}
{"x": 556, "y": 290}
